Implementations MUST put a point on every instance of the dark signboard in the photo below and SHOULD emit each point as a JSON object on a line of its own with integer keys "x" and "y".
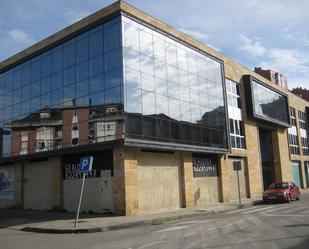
{"x": 205, "y": 165}
{"x": 101, "y": 161}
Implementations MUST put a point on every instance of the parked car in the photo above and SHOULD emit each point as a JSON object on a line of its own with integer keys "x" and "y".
{"x": 282, "y": 191}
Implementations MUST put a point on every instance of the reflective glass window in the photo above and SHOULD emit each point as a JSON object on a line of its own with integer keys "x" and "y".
{"x": 113, "y": 78}
{"x": 57, "y": 59}
{"x": 113, "y": 95}
{"x": 112, "y": 60}
{"x": 46, "y": 85}
{"x": 36, "y": 69}
{"x": 96, "y": 65}
{"x": 35, "y": 88}
{"x": 111, "y": 36}
{"x": 69, "y": 55}
{"x": 57, "y": 80}
{"x": 46, "y": 100}
{"x": 97, "y": 98}
{"x": 82, "y": 88}
{"x": 97, "y": 83}
{"x": 82, "y": 71}
{"x": 46, "y": 67}
{"x": 69, "y": 76}
{"x": 82, "y": 52}
{"x": 69, "y": 92}
{"x": 96, "y": 44}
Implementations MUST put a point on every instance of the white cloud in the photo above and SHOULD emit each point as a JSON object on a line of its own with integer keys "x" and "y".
{"x": 306, "y": 43}
{"x": 252, "y": 48}
{"x": 20, "y": 36}
{"x": 202, "y": 37}
{"x": 196, "y": 34}
{"x": 73, "y": 16}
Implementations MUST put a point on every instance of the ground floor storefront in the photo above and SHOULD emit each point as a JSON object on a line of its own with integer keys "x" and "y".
{"x": 129, "y": 181}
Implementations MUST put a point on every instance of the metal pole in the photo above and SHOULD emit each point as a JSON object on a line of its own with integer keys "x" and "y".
{"x": 80, "y": 200}
{"x": 238, "y": 188}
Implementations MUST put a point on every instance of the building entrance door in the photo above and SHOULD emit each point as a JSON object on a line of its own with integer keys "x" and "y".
{"x": 296, "y": 173}
{"x": 307, "y": 173}
{"x": 38, "y": 189}
{"x": 267, "y": 156}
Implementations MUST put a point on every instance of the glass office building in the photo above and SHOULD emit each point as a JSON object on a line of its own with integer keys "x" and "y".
{"x": 120, "y": 80}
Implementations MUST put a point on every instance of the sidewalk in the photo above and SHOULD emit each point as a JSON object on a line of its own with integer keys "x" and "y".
{"x": 109, "y": 223}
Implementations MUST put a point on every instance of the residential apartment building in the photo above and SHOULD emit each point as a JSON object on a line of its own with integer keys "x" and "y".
{"x": 165, "y": 117}
{"x": 273, "y": 76}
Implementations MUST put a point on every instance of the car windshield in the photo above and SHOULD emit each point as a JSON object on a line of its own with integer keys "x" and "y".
{"x": 279, "y": 186}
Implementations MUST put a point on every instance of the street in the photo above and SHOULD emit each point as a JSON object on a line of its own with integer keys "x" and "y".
{"x": 283, "y": 225}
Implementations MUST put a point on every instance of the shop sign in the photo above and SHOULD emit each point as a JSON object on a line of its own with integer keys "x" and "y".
{"x": 6, "y": 184}
{"x": 204, "y": 166}
{"x": 71, "y": 171}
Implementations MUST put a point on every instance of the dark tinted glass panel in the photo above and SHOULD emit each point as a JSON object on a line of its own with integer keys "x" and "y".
{"x": 35, "y": 89}
{"x": 113, "y": 95}
{"x": 46, "y": 65}
{"x": 82, "y": 50}
{"x": 45, "y": 85}
{"x": 25, "y": 92}
{"x": 46, "y": 100}
{"x": 97, "y": 98}
{"x": 97, "y": 83}
{"x": 269, "y": 103}
{"x": 96, "y": 44}
{"x": 69, "y": 55}
{"x": 57, "y": 61}
{"x": 69, "y": 92}
{"x": 57, "y": 97}
{"x": 112, "y": 60}
{"x": 82, "y": 88}
{"x": 82, "y": 71}
{"x": 57, "y": 80}
{"x": 17, "y": 96}
{"x": 113, "y": 78}
{"x": 111, "y": 36}
{"x": 36, "y": 69}
{"x": 69, "y": 76}
{"x": 96, "y": 65}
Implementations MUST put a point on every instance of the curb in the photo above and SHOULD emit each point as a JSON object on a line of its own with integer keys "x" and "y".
{"x": 155, "y": 221}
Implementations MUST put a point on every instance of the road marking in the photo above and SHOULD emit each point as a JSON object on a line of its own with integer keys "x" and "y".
{"x": 189, "y": 234}
{"x": 151, "y": 244}
{"x": 286, "y": 215}
{"x": 193, "y": 222}
{"x": 257, "y": 210}
{"x": 229, "y": 224}
{"x": 240, "y": 210}
{"x": 212, "y": 228}
{"x": 170, "y": 229}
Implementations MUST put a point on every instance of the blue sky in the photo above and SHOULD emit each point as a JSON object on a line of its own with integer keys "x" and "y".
{"x": 268, "y": 33}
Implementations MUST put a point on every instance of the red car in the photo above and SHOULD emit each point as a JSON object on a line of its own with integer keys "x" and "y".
{"x": 282, "y": 191}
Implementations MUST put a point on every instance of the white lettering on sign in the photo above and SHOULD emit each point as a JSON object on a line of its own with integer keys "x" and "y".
{"x": 71, "y": 171}
{"x": 203, "y": 166}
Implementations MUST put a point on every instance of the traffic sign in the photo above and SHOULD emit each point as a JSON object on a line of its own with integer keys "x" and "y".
{"x": 85, "y": 164}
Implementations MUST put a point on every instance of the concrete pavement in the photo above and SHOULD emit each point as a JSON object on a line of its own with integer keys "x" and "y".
{"x": 53, "y": 222}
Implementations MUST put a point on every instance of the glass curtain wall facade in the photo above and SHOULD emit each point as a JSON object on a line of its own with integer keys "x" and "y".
{"x": 64, "y": 94}
{"x": 172, "y": 92}
{"x": 269, "y": 104}
{"x": 117, "y": 80}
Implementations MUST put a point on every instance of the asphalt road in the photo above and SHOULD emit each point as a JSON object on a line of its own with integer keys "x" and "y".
{"x": 283, "y": 226}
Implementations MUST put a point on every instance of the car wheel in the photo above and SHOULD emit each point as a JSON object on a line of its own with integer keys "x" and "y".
{"x": 289, "y": 198}
{"x": 298, "y": 197}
